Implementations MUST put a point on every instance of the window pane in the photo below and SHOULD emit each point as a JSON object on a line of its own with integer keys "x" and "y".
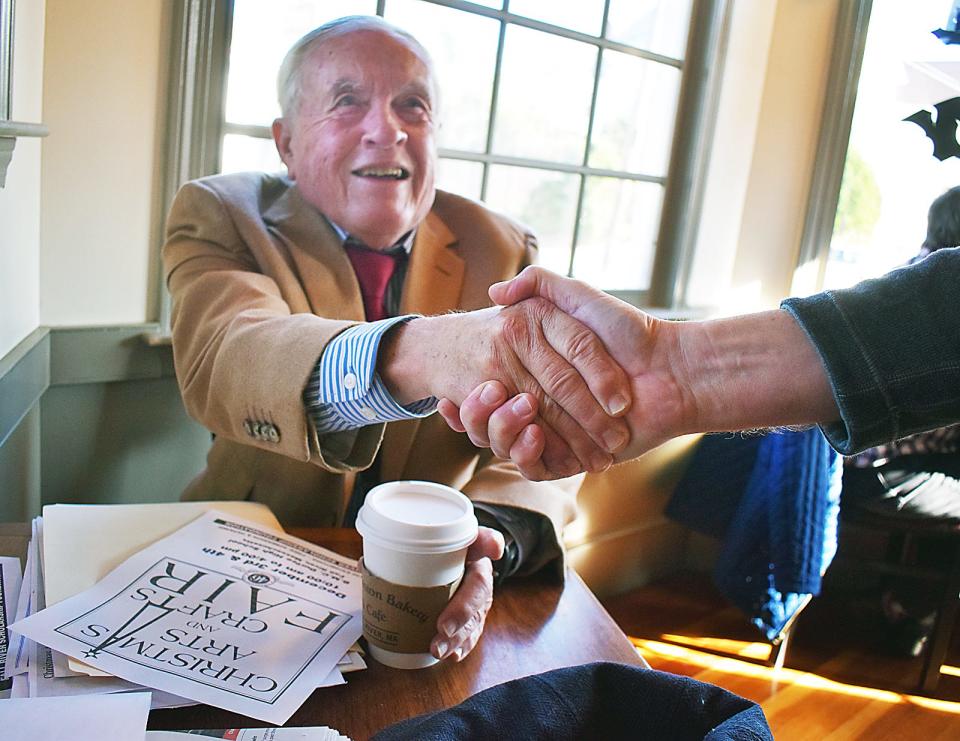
{"x": 543, "y": 200}
{"x": 461, "y": 177}
{"x": 659, "y": 26}
{"x": 464, "y": 51}
{"x": 585, "y": 16}
{"x": 636, "y": 106}
{"x": 545, "y": 91}
{"x": 262, "y": 34}
{"x": 618, "y": 230}
{"x": 243, "y": 153}
{"x": 891, "y": 176}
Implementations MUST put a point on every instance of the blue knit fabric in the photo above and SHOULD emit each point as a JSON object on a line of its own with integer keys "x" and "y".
{"x": 775, "y": 501}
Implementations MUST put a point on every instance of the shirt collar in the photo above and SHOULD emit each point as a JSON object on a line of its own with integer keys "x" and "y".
{"x": 406, "y": 241}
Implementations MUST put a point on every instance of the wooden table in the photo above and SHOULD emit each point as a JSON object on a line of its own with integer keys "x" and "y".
{"x": 535, "y": 625}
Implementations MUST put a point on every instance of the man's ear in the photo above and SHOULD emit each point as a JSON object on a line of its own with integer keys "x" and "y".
{"x": 282, "y": 136}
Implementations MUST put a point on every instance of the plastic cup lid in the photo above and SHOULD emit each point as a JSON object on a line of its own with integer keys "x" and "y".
{"x": 417, "y": 517}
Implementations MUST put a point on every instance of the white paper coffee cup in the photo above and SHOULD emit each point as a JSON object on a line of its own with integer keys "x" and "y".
{"x": 415, "y": 540}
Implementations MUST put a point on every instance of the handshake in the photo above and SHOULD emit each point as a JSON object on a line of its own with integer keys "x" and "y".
{"x": 562, "y": 378}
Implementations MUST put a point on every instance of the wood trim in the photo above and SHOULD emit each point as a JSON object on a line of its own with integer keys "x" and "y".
{"x": 24, "y": 376}
{"x": 21, "y": 128}
{"x": 693, "y": 138}
{"x": 199, "y": 44}
{"x": 104, "y": 354}
{"x": 9, "y": 131}
{"x": 6, "y": 57}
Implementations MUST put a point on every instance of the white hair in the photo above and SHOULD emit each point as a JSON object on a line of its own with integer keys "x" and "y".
{"x": 289, "y": 78}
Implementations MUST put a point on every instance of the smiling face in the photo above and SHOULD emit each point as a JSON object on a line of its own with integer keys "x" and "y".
{"x": 360, "y": 143}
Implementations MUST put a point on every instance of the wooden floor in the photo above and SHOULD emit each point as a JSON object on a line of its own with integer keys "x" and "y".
{"x": 837, "y": 682}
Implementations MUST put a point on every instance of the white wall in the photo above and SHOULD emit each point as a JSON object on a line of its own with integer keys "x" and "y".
{"x": 20, "y": 198}
{"x": 765, "y": 142}
{"x": 787, "y": 133}
{"x": 735, "y": 135}
{"x": 104, "y": 69}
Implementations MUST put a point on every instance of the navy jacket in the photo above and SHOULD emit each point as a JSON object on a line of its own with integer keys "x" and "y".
{"x": 891, "y": 348}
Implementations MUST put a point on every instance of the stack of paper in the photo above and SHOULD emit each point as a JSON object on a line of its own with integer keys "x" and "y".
{"x": 198, "y": 604}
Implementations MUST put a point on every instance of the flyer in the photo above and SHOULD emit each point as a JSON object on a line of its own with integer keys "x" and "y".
{"x": 9, "y": 594}
{"x": 223, "y": 611}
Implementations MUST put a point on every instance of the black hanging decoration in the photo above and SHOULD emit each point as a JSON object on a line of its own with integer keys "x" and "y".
{"x": 943, "y": 131}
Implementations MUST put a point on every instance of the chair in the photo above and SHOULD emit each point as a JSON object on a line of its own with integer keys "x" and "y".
{"x": 901, "y": 535}
{"x": 773, "y": 500}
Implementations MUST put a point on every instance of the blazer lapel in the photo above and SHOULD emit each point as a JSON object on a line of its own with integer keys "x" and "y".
{"x": 318, "y": 258}
{"x": 432, "y": 286}
{"x": 435, "y": 276}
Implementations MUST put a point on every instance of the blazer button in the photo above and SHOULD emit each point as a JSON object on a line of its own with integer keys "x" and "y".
{"x": 248, "y": 428}
{"x": 273, "y": 434}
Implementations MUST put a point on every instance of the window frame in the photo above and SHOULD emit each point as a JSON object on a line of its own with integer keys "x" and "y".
{"x": 7, "y": 10}
{"x": 823, "y": 196}
{"x": 195, "y": 127}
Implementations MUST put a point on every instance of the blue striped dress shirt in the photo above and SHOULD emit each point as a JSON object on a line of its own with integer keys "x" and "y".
{"x": 344, "y": 390}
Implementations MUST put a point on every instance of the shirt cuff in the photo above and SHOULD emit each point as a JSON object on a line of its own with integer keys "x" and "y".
{"x": 345, "y": 392}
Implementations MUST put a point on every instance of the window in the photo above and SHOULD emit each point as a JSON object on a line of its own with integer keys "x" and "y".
{"x": 558, "y": 114}
{"x": 889, "y": 176}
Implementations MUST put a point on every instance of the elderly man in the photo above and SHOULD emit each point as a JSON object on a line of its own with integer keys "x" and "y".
{"x": 272, "y": 277}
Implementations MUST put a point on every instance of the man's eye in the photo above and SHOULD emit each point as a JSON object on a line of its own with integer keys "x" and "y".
{"x": 345, "y": 101}
{"x": 415, "y": 103}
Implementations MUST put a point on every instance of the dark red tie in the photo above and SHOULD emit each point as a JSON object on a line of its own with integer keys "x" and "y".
{"x": 373, "y": 270}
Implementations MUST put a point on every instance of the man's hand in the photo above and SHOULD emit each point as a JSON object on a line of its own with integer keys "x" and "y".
{"x": 461, "y": 623}
{"x": 531, "y": 348}
{"x": 509, "y": 429}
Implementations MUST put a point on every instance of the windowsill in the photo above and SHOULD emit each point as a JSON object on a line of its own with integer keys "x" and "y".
{"x": 157, "y": 338}
{"x": 9, "y": 131}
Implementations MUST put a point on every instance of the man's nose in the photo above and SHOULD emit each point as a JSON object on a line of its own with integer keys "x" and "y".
{"x": 382, "y": 127}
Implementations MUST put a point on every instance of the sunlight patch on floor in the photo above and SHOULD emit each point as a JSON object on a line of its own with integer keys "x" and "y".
{"x": 736, "y": 666}
{"x": 746, "y": 649}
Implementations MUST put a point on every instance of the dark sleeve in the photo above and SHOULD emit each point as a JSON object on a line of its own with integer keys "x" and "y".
{"x": 891, "y": 349}
{"x": 521, "y": 530}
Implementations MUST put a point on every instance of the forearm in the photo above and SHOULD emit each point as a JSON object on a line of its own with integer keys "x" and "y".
{"x": 757, "y": 370}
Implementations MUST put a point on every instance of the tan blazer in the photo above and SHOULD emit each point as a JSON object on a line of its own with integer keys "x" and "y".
{"x": 260, "y": 284}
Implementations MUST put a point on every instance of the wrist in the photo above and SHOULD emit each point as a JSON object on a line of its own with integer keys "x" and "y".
{"x": 401, "y": 362}
{"x": 758, "y": 370}
{"x": 440, "y": 356}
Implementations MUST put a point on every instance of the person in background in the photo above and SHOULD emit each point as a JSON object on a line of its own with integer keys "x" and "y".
{"x": 299, "y": 333}
{"x": 914, "y": 478}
